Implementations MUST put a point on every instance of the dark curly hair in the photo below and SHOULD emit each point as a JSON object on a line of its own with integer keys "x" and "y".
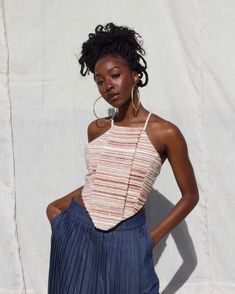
{"x": 114, "y": 40}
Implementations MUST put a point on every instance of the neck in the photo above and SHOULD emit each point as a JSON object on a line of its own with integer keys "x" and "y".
{"x": 126, "y": 113}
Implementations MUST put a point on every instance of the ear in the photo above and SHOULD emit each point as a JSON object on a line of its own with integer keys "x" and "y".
{"x": 135, "y": 77}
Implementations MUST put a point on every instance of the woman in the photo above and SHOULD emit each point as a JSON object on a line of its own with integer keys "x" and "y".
{"x": 100, "y": 243}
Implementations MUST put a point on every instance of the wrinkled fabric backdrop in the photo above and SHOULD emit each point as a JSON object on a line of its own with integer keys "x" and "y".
{"x": 46, "y": 105}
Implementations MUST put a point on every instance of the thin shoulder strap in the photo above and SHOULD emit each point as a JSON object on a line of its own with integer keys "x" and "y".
{"x": 146, "y": 122}
{"x": 112, "y": 121}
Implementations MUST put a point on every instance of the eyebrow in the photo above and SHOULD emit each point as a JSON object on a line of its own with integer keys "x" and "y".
{"x": 108, "y": 71}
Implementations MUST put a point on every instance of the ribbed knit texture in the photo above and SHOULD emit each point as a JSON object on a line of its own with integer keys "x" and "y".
{"x": 122, "y": 166}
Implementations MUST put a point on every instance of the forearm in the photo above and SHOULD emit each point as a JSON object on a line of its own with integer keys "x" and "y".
{"x": 174, "y": 217}
{"x": 61, "y": 204}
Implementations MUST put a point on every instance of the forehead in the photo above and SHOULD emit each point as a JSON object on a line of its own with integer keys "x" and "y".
{"x": 108, "y": 62}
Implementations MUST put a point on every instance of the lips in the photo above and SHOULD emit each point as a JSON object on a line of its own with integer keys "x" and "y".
{"x": 111, "y": 95}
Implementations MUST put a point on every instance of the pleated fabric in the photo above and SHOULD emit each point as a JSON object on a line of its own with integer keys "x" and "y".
{"x": 87, "y": 260}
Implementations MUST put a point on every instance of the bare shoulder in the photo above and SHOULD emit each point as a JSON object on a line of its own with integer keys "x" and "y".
{"x": 165, "y": 135}
{"x": 165, "y": 128}
{"x": 173, "y": 140}
{"x": 174, "y": 136}
{"x": 97, "y": 127}
{"x": 176, "y": 151}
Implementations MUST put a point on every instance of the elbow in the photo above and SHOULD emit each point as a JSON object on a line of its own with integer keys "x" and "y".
{"x": 49, "y": 207}
{"x": 194, "y": 199}
{"x": 191, "y": 200}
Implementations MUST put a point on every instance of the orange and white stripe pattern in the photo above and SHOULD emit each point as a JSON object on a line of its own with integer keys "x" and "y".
{"x": 122, "y": 167}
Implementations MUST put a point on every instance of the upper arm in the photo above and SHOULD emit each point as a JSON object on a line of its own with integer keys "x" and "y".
{"x": 92, "y": 130}
{"x": 177, "y": 154}
{"x": 95, "y": 128}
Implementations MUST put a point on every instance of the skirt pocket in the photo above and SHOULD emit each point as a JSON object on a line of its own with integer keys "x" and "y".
{"x": 149, "y": 238}
{"x": 149, "y": 279}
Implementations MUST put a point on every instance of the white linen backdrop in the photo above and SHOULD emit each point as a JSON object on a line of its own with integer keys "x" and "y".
{"x": 46, "y": 105}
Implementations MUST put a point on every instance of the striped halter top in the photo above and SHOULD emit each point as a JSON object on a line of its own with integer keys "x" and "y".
{"x": 122, "y": 167}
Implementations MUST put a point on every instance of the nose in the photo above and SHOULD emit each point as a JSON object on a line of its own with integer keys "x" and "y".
{"x": 108, "y": 87}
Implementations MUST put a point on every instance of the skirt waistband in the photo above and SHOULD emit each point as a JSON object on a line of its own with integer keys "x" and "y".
{"x": 82, "y": 214}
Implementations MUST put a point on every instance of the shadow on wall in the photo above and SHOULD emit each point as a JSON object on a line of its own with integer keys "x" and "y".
{"x": 157, "y": 206}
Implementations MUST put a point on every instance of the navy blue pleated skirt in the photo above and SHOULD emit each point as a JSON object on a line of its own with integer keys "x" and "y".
{"x": 87, "y": 260}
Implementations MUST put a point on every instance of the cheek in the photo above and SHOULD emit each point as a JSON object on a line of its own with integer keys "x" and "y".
{"x": 124, "y": 83}
{"x": 100, "y": 89}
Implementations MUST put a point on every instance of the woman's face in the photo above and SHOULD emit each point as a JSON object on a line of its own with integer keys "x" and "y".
{"x": 112, "y": 77}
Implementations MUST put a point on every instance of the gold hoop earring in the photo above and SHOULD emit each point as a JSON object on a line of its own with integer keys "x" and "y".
{"x": 132, "y": 99}
{"x": 114, "y": 110}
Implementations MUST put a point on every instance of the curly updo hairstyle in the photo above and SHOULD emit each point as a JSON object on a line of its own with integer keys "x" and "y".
{"x": 119, "y": 41}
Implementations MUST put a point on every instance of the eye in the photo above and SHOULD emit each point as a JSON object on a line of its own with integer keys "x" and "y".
{"x": 99, "y": 82}
{"x": 116, "y": 75}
